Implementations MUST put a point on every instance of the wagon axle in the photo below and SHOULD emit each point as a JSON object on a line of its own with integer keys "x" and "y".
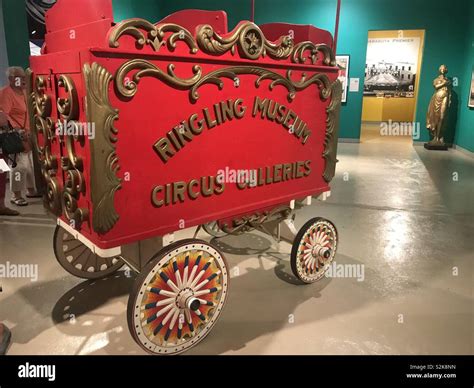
{"x": 320, "y": 251}
{"x": 185, "y": 299}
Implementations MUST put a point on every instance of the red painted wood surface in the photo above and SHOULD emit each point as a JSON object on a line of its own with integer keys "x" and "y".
{"x": 248, "y": 143}
{"x": 300, "y": 32}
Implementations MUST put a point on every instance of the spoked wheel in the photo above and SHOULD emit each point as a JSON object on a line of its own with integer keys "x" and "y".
{"x": 178, "y": 297}
{"x": 77, "y": 259}
{"x": 313, "y": 250}
{"x": 213, "y": 229}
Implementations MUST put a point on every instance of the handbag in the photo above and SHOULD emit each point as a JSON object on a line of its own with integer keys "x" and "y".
{"x": 11, "y": 143}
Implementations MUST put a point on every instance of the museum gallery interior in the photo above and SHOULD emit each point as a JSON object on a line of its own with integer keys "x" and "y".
{"x": 239, "y": 177}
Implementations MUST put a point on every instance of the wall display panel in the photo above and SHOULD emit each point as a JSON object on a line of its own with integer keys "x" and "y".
{"x": 391, "y": 66}
{"x": 343, "y": 64}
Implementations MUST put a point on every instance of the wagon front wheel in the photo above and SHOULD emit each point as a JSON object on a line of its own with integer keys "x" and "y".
{"x": 77, "y": 259}
{"x": 178, "y": 297}
{"x": 314, "y": 249}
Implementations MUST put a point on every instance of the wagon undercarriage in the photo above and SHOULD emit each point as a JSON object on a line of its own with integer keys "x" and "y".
{"x": 182, "y": 285}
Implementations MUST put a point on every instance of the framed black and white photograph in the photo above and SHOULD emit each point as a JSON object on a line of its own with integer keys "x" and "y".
{"x": 391, "y": 67}
{"x": 471, "y": 90}
{"x": 343, "y": 64}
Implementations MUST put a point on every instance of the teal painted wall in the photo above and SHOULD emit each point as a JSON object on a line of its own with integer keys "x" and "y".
{"x": 448, "y": 39}
{"x": 465, "y": 129}
{"x": 237, "y": 10}
{"x": 445, "y": 24}
{"x": 16, "y": 32}
{"x": 3, "y": 50}
{"x": 146, "y": 9}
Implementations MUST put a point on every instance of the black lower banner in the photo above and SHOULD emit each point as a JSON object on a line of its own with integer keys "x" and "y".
{"x": 379, "y": 371}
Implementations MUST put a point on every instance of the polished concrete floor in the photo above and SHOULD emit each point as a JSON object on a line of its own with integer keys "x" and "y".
{"x": 404, "y": 215}
{"x": 370, "y": 133}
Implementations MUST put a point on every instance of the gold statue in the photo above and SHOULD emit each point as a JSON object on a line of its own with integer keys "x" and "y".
{"x": 438, "y": 109}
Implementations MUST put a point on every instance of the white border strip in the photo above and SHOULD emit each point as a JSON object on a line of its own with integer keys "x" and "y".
{"x": 111, "y": 252}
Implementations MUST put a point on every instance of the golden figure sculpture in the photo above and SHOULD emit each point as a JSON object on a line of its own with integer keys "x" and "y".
{"x": 438, "y": 108}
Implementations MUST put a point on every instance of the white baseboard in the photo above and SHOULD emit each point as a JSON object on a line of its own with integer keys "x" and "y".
{"x": 454, "y": 147}
{"x": 463, "y": 150}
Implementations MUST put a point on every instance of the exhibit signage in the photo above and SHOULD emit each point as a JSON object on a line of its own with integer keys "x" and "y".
{"x": 222, "y": 112}
{"x": 172, "y": 193}
{"x": 225, "y": 111}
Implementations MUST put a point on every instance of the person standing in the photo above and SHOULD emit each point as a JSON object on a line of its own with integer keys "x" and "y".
{"x": 13, "y": 105}
{"x": 4, "y": 211}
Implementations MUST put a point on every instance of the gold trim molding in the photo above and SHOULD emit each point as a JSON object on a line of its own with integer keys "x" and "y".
{"x": 332, "y": 131}
{"x": 104, "y": 181}
{"x": 128, "y": 87}
{"x": 297, "y": 55}
{"x": 146, "y": 33}
{"x": 247, "y": 39}
{"x": 72, "y": 164}
{"x": 145, "y": 68}
{"x": 68, "y": 108}
{"x": 39, "y": 110}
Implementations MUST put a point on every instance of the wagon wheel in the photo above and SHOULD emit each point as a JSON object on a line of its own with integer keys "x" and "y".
{"x": 213, "y": 229}
{"x": 178, "y": 297}
{"x": 77, "y": 259}
{"x": 313, "y": 250}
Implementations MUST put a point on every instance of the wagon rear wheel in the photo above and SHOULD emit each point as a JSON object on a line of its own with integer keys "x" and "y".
{"x": 178, "y": 297}
{"x": 314, "y": 249}
{"x": 77, "y": 259}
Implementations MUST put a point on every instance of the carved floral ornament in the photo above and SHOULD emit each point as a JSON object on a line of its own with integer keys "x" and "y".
{"x": 59, "y": 198}
{"x": 142, "y": 68}
{"x": 247, "y": 39}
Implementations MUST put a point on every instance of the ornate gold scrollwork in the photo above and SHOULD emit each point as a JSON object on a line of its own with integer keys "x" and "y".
{"x": 332, "y": 131}
{"x": 71, "y": 210}
{"x": 42, "y": 103}
{"x": 155, "y": 34}
{"x": 72, "y": 161}
{"x": 104, "y": 161}
{"x": 281, "y": 49}
{"x": 147, "y": 69}
{"x": 68, "y": 108}
{"x": 297, "y": 55}
{"x": 215, "y": 76}
{"x": 39, "y": 110}
{"x": 320, "y": 79}
{"x": 249, "y": 39}
{"x": 72, "y": 164}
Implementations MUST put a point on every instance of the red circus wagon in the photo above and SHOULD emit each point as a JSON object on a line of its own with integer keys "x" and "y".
{"x": 146, "y": 129}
